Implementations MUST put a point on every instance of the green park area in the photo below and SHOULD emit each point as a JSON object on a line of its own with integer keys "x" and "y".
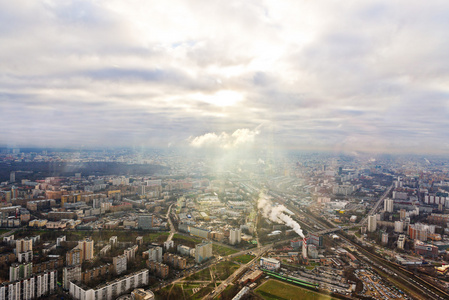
{"x": 277, "y": 290}
{"x": 203, "y": 275}
{"x": 244, "y": 259}
{"x": 186, "y": 240}
{"x": 222, "y": 250}
{"x": 184, "y": 291}
{"x": 224, "y": 269}
{"x": 3, "y": 231}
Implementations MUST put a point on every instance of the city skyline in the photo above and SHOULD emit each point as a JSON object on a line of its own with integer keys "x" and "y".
{"x": 305, "y": 75}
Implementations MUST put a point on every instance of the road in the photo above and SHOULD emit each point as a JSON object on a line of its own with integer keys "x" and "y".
{"x": 376, "y": 206}
{"x": 227, "y": 281}
{"x": 172, "y": 228}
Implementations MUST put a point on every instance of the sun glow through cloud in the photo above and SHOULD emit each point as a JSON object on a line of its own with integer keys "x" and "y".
{"x": 168, "y": 70}
{"x": 221, "y": 98}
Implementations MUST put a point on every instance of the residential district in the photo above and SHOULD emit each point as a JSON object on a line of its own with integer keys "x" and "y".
{"x": 159, "y": 225}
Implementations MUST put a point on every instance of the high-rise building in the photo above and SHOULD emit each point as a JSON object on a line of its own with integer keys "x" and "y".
{"x": 87, "y": 249}
{"x": 145, "y": 222}
{"x": 120, "y": 264}
{"x": 388, "y": 205}
{"x": 199, "y": 232}
{"x": 384, "y": 238}
{"x": 315, "y": 239}
{"x": 131, "y": 252}
{"x": 203, "y": 251}
{"x": 73, "y": 257}
{"x": 417, "y": 232}
{"x": 402, "y": 214}
{"x": 112, "y": 289}
{"x": 398, "y": 226}
{"x": 155, "y": 254}
{"x": 72, "y": 273}
{"x": 12, "y": 177}
{"x": 24, "y": 245}
{"x": 25, "y": 256}
{"x": 35, "y": 287}
{"x": 113, "y": 241}
{"x": 235, "y": 236}
{"x": 401, "y": 241}
{"x": 372, "y": 223}
{"x": 20, "y": 271}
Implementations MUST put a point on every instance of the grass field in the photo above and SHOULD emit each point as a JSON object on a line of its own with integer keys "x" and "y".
{"x": 224, "y": 269}
{"x": 277, "y": 290}
{"x": 188, "y": 239}
{"x": 201, "y": 275}
{"x": 244, "y": 259}
{"x": 222, "y": 250}
{"x": 203, "y": 292}
{"x": 2, "y": 231}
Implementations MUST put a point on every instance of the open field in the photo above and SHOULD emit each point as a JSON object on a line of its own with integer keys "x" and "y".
{"x": 244, "y": 259}
{"x": 184, "y": 291}
{"x": 277, "y": 290}
{"x": 201, "y": 275}
{"x": 222, "y": 250}
{"x": 186, "y": 239}
{"x": 203, "y": 292}
{"x": 3, "y": 231}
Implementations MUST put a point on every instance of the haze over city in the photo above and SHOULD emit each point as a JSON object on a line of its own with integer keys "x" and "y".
{"x": 316, "y": 75}
{"x": 232, "y": 150}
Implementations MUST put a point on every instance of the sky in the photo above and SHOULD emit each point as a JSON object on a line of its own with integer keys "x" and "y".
{"x": 316, "y": 75}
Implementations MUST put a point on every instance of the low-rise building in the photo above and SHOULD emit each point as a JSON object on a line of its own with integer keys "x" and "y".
{"x": 270, "y": 263}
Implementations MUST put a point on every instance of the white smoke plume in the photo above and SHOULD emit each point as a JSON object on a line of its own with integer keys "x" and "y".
{"x": 276, "y": 213}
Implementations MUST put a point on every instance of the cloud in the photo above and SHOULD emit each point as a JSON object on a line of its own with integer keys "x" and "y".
{"x": 239, "y": 138}
{"x": 359, "y": 75}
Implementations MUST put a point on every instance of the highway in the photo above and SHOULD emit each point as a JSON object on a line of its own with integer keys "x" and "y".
{"x": 376, "y": 206}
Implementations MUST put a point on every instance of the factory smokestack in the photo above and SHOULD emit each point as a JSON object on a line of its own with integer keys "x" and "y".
{"x": 276, "y": 213}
